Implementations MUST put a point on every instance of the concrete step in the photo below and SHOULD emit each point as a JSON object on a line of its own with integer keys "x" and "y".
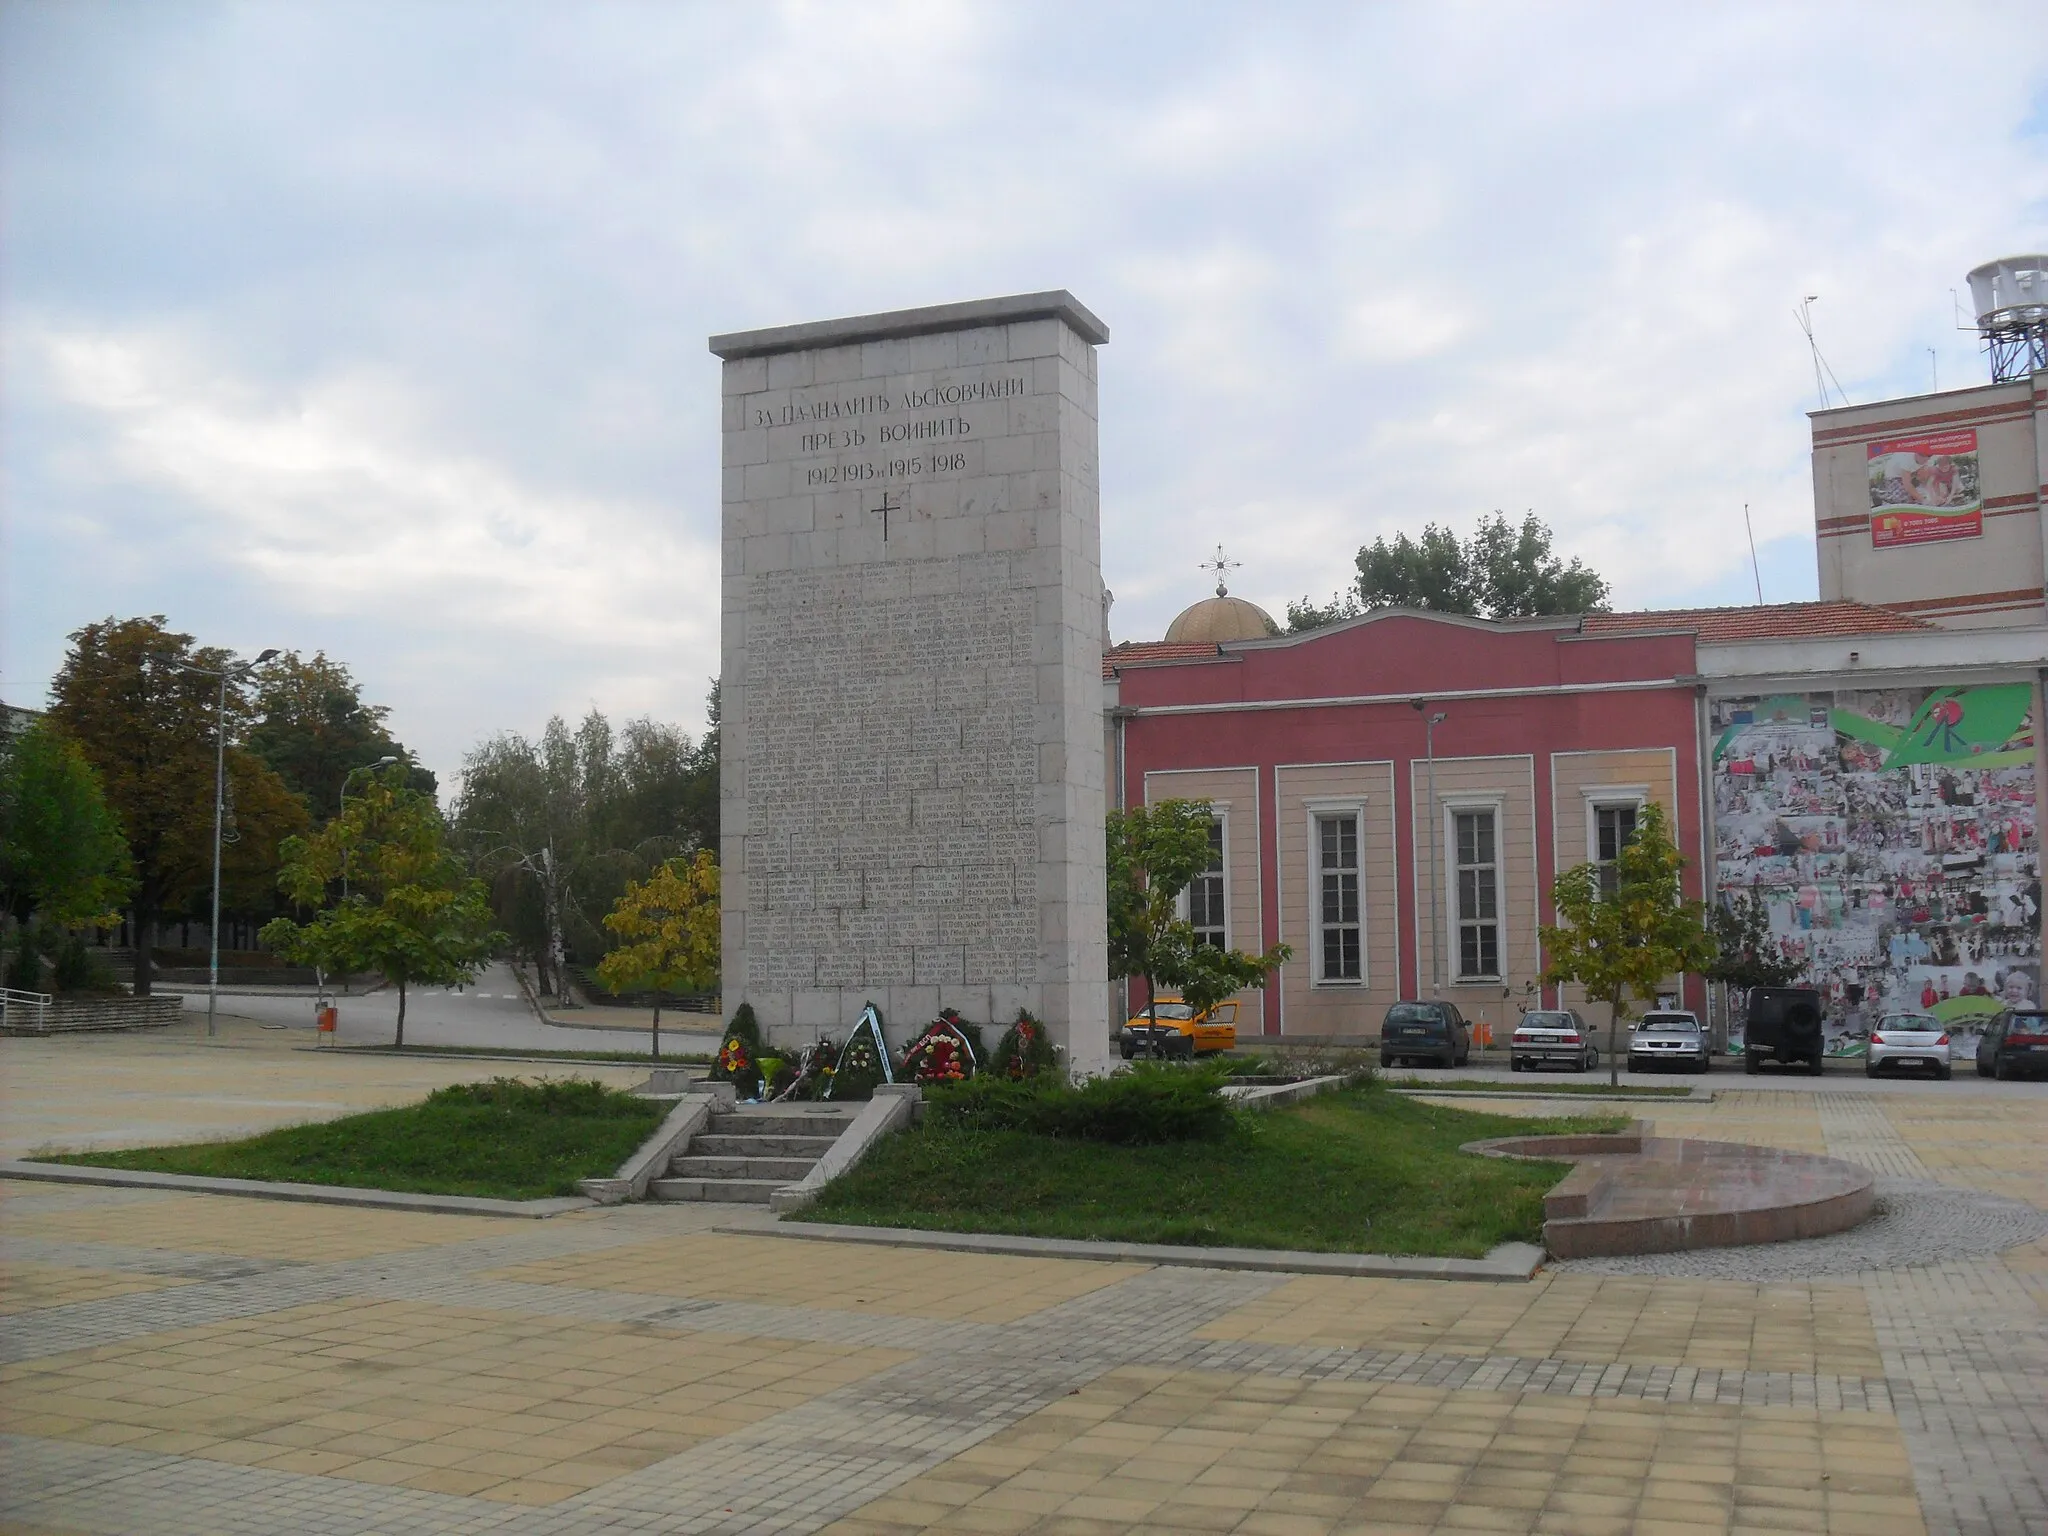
{"x": 780, "y": 1121}
{"x": 735, "y": 1191}
{"x": 719, "y": 1145}
{"x": 786, "y": 1170}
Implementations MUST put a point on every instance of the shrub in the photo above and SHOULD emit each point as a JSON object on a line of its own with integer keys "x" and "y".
{"x": 80, "y": 968}
{"x": 1142, "y": 1107}
{"x": 568, "y": 1096}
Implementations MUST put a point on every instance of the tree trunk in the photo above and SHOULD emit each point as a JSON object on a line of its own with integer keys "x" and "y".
{"x": 1613, "y": 1027}
{"x": 657, "y": 1029}
{"x": 399, "y": 1043}
{"x": 145, "y": 942}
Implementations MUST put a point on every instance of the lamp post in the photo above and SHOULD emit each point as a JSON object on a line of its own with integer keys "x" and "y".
{"x": 220, "y": 779}
{"x": 383, "y": 762}
{"x": 1436, "y": 927}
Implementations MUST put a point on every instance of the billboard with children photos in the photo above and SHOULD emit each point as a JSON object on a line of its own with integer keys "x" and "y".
{"x": 1892, "y": 835}
{"x": 1924, "y": 490}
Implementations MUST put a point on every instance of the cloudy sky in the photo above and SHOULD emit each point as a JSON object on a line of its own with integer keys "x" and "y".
{"x": 379, "y": 328}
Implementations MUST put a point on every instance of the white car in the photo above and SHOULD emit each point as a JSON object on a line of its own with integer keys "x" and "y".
{"x": 1668, "y": 1038}
{"x": 1552, "y": 1037}
{"x": 1907, "y": 1040}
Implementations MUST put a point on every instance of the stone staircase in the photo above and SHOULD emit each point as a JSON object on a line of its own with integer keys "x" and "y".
{"x": 746, "y": 1154}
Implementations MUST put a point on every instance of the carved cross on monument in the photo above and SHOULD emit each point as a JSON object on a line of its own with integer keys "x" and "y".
{"x": 1222, "y": 568}
{"x": 885, "y": 507}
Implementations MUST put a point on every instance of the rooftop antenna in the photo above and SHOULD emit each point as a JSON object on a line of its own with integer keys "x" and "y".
{"x": 2010, "y": 296}
{"x": 1822, "y": 373}
{"x": 1222, "y": 567}
{"x": 1754, "y": 569}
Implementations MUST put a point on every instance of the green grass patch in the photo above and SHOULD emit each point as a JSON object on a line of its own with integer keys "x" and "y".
{"x": 505, "y": 1139}
{"x": 1361, "y": 1171}
{"x": 1519, "y": 1090}
{"x": 513, "y": 1053}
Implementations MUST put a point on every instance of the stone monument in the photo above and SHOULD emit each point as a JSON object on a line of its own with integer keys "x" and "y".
{"x": 912, "y": 780}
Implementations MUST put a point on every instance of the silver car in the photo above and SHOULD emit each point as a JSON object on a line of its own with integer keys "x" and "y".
{"x": 1907, "y": 1040}
{"x": 1556, "y": 1037}
{"x": 1668, "y": 1038}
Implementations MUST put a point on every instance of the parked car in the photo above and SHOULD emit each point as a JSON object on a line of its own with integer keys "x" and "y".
{"x": 1668, "y": 1037}
{"x": 1432, "y": 1032}
{"x": 1783, "y": 1026}
{"x": 1181, "y": 1031}
{"x": 1907, "y": 1040}
{"x": 2014, "y": 1045}
{"x": 1555, "y": 1037}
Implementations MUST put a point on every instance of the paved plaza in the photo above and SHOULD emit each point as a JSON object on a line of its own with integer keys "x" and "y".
{"x": 190, "y": 1364}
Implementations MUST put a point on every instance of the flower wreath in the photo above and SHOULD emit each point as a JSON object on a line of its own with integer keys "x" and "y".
{"x": 864, "y": 1060}
{"x": 942, "y": 1054}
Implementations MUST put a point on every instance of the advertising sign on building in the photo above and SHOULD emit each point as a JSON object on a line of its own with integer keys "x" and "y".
{"x": 1892, "y": 835}
{"x": 1924, "y": 490}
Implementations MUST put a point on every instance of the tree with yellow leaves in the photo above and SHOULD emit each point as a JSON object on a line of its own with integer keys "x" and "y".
{"x": 669, "y": 924}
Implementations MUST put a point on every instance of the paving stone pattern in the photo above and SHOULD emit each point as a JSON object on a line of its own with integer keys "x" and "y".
{"x": 182, "y": 1364}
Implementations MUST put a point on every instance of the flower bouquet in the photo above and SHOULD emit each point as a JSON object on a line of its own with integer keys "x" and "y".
{"x": 739, "y": 1054}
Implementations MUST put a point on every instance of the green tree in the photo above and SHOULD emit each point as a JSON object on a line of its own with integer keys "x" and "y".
{"x": 313, "y": 728}
{"x": 1621, "y": 946}
{"x": 559, "y": 825}
{"x": 668, "y": 928}
{"x": 1153, "y": 853}
{"x": 129, "y": 695}
{"x": 412, "y": 914}
{"x": 62, "y": 856}
{"x": 1746, "y": 954}
{"x": 1502, "y": 571}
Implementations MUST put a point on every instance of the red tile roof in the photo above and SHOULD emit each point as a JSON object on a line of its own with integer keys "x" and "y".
{"x": 1774, "y": 621}
{"x": 1154, "y": 650}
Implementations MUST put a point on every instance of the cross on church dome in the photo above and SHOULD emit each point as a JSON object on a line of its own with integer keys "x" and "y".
{"x": 1222, "y": 566}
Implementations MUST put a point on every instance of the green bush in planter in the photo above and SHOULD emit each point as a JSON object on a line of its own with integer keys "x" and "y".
{"x": 1143, "y": 1107}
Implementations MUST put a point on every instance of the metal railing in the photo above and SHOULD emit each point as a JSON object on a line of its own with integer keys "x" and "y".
{"x": 24, "y": 1010}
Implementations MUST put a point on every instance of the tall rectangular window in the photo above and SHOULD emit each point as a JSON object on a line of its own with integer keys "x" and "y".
{"x": 1205, "y": 895}
{"x": 1338, "y": 925}
{"x": 1613, "y": 826}
{"x": 1474, "y": 845}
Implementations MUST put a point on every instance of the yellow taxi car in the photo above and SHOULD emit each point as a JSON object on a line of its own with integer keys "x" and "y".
{"x": 1181, "y": 1031}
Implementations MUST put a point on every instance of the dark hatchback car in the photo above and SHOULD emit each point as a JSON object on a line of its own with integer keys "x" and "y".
{"x": 1429, "y": 1032}
{"x": 2014, "y": 1045}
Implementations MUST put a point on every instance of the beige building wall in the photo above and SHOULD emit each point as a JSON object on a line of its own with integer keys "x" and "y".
{"x": 1994, "y": 579}
{"x": 1506, "y": 784}
{"x": 1579, "y": 781}
{"x": 1310, "y": 1006}
{"x": 1234, "y": 792}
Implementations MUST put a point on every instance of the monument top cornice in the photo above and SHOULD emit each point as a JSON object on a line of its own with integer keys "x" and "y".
{"x": 1056, "y": 304}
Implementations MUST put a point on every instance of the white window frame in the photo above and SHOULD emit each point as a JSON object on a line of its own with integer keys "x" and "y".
{"x": 1609, "y": 797}
{"x": 1184, "y": 906}
{"x": 1453, "y": 808}
{"x": 1315, "y": 810}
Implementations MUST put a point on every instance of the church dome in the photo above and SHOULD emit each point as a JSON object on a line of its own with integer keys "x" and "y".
{"x": 1221, "y": 618}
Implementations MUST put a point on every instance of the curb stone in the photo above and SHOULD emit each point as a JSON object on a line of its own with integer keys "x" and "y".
{"x": 308, "y": 1194}
{"x": 1507, "y": 1262}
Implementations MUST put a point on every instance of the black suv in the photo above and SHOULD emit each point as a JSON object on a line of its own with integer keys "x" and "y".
{"x": 1434, "y": 1032}
{"x": 1784, "y": 1026}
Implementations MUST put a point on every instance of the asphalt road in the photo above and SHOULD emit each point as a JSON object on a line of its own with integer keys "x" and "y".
{"x": 492, "y": 1013}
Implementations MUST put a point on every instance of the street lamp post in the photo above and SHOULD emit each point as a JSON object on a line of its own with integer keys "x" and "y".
{"x": 383, "y": 762}
{"x": 1436, "y": 927}
{"x": 220, "y": 780}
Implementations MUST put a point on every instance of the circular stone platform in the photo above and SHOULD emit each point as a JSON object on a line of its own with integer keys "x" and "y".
{"x": 1635, "y": 1194}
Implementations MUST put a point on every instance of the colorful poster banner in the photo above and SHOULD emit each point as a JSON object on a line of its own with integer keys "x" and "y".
{"x": 1924, "y": 490}
{"x": 1893, "y": 836}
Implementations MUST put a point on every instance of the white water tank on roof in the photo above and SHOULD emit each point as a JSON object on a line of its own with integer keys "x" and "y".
{"x": 2010, "y": 291}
